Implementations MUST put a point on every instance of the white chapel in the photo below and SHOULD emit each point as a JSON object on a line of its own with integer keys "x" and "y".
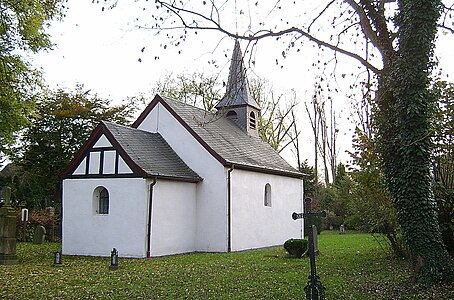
{"x": 181, "y": 179}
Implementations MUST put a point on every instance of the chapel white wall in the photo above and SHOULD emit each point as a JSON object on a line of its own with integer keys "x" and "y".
{"x": 211, "y": 213}
{"x": 87, "y": 233}
{"x": 173, "y": 218}
{"x": 255, "y": 225}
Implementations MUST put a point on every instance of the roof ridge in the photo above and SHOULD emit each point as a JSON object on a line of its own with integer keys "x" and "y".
{"x": 126, "y": 127}
{"x": 165, "y": 98}
{"x": 222, "y": 139}
{"x": 141, "y": 146}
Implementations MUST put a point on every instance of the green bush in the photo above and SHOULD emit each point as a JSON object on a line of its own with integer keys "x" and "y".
{"x": 318, "y": 222}
{"x": 296, "y": 247}
{"x": 354, "y": 222}
{"x": 44, "y": 218}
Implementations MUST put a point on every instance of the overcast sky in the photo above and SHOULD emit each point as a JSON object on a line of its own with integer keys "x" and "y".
{"x": 102, "y": 50}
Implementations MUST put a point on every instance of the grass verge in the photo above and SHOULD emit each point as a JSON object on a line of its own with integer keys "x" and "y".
{"x": 351, "y": 266}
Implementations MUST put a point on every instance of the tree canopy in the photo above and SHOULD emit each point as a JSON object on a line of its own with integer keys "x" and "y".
{"x": 22, "y": 29}
{"x": 443, "y": 159}
{"x": 62, "y": 122}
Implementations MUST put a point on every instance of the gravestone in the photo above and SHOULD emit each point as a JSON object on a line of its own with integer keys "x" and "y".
{"x": 315, "y": 238}
{"x": 50, "y": 235}
{"x": 7, "y": 230}
{"x": 342, "y": 229}
{"x": 113, "y": 259}
{"x": 39, "y": 235}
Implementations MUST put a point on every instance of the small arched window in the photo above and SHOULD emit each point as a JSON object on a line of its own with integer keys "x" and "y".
{"x": 232, "y": 115}
{"x": 252, "y": 120}
{"x": 267, "y": 197}
{"x": 101, "y": 200}
{"x": 104, "y": 202}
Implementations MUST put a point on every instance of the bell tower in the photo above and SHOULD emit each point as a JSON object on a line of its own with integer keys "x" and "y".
{"x": 237, "y": 103}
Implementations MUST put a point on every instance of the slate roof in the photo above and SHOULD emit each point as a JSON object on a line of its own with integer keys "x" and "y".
{"x": 226, "y": 141}
{"x": 151, "y": 153}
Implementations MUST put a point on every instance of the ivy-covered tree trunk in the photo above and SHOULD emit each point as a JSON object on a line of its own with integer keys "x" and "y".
{"x": 405, "y": 139}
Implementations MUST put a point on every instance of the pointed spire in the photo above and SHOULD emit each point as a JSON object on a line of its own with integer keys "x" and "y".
{"x": 237, "y": 91}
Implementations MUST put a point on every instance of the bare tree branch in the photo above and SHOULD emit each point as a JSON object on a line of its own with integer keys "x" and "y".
{"x": 365, "y": 24}
{"x": 451, "y": 30}
{"x": 319, "y": 15}
{"x": 260, "y": 34}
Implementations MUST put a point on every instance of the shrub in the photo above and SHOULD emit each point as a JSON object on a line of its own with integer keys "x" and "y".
{"x": 318, "y": 222}
{"x": 332, "y": 221}
{"x": 44, "y": 218}
{"x": 354, "y": 222}
{"x": 296, "y": 247}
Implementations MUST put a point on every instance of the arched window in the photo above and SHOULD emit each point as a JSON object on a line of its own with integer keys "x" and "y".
{"x": 232, "y": 115}
{"x": 104, "y": 202}
{"x": 252, "y": 120}
{"x": 267, "y": 198}
{"x": 101, "y": 200}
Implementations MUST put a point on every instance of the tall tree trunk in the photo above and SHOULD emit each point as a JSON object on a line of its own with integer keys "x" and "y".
{"x": 324, "y": 154}
{"x": 405, "y": 140}
{"x": 332, "y": 142}
{"x": 315, "y": 124}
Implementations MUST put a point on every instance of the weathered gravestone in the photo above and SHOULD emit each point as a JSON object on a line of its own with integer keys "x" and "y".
{"x": 7, "y": 229}
{"x": 315, "y": 238}
{"x": 342, "y": 229}
{"x": 113, "y": 259}
{"x": 39, "y": 235}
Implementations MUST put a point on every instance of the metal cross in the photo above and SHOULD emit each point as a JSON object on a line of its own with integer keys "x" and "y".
{"x": 314, "y": 288}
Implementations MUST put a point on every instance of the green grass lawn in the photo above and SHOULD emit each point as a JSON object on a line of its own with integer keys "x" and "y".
{"x": 351, "y": 266}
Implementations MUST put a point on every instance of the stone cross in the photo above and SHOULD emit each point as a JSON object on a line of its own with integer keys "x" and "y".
{"x": 7, "y": 230}
{"x": 314, "y": 288}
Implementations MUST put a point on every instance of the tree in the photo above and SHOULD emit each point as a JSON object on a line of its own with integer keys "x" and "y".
{"x": 336, "y": 197}
{"x": 443, "y": 159}
{"x": 403, "y": 121}
{"x": 312, "y": 189}
{"x": 62, "y": 123}
{"x": 22, "y": 30}
{"x": 393, "y": 40}
{"x": 324, "y": 132}
{"x": 196, "y": 89}
{"x": 371, "y": 206}
{"x": 277, "y": 124}
{"x": 311, "y": 185}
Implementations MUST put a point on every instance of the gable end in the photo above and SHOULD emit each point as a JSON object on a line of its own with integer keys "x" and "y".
{"x": 102, "y": 156}
{"x": 157, "y": 99}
